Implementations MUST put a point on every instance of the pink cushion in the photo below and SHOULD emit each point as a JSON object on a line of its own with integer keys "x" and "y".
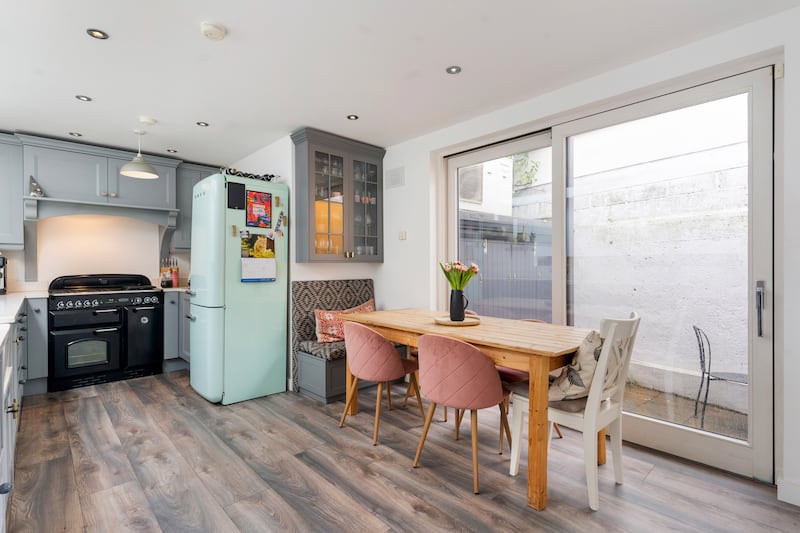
{"x": 371, "y": 357}
{"x": 456, "y": 374}
{"x": 329, "y": 322}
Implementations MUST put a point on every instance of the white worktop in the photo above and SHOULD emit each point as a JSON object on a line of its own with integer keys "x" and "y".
{"x": 10, "y": 304}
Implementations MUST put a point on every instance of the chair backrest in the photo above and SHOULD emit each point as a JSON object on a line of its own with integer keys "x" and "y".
{"x": 371, "y": 357}
{"x": 703, "y": 350}
{"x": 456, "y": 374}
{"x": 611, "y": 372}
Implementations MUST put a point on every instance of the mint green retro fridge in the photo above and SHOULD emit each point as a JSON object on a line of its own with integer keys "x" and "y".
{"x": 239, "y": 283}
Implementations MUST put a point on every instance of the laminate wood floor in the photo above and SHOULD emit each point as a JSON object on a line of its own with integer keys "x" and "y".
{"x": 151, "y": 455}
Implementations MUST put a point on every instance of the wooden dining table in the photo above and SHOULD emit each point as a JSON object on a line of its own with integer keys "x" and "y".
{"x": 537, "y": 348}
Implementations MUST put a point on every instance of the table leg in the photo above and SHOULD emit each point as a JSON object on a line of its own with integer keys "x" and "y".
{"x": 601, "y": 447}
{"x": 349, "y": 384}
{"x": 537, "y": 433}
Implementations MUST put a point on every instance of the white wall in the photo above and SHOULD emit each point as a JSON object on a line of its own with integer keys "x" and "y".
{"x": 408, "y": 276}
{"x": 88, "y": 244}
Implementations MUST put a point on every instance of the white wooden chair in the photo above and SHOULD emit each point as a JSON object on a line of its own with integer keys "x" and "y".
{"x": 602, "y": 409}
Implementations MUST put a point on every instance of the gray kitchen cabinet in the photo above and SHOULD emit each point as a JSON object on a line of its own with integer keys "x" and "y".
{"x": 84, "y": 173}
{"x": 188, "y": 175}
{"x": 37, "y": 338}
{"x": 172, "y": 324}
{"x": 10, "y": 192}
{"x": 339, "y": 184}
{"x": 186, "y": 320}
{"x": 7, "y": 418}
{"x": 20, "y": 357}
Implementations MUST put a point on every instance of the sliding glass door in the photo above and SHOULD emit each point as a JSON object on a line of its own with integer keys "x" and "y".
{"x": 502, "y": 202}
{"x": 668, "y": 212}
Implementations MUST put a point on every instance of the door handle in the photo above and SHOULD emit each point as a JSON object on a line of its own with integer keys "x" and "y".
{"x": 760, "y": 304}
{"x": 98, "y": 311}
{"x": 191, "y": 317}
{"x": 149, "y": 308}
{"x": 13, "y": 408}
{"x": 105, "y": 330}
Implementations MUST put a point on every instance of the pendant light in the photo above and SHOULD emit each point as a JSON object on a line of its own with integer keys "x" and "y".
{"x": 138, "y": 167}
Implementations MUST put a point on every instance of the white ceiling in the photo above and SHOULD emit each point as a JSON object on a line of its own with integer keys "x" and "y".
{"x": 286, "y": 64}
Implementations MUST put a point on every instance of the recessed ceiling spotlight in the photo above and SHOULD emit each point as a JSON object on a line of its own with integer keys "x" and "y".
{"x": 352, "y": 117}
{"x": 75, "y": 134}
{"x": 97, "y": 34}
{"x": 202, "y": 124}
{"x": 172, "y": 150}
{"x": 83, "y": 98}
{"x": 455, "y": 69}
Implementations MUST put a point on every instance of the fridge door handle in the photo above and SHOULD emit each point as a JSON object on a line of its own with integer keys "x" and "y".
{"x": 191, "y": 317}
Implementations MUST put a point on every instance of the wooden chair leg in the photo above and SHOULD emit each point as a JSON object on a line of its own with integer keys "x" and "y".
{"x": 425, "y": 428}
{"x": 459, "y": 417}
{"x": 504, "y": 406}
{"x": 558, "y": 430}
{"x": 377, "y": 414}
{"x": 389, "y": 395}
{"x": 413, "y": 382}
{"x": 353, "y": 388}
{"x": 474, "y": 431}
{"x": 504, "y": 427}
{"x": 445, "y": 413}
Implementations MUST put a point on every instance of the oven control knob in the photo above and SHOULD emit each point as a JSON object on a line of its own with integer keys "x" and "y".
{"x": 95, "y": 303}
{"x": 87, "y": 303}
{"x": 78, "y": 304}
{"x": 60, "y": 305}
{"x": 70, "y": 305}
{"x": 138, "y": 300}
{"x": 154, "y": 299}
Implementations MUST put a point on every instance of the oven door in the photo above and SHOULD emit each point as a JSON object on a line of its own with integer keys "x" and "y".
{"x": 78, "y": 352}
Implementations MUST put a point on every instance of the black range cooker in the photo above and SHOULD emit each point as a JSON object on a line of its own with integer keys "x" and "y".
{"x": 103, "y": 327}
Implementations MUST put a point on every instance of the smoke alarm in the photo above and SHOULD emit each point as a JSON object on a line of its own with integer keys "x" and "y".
{"x": 212, "y": 32}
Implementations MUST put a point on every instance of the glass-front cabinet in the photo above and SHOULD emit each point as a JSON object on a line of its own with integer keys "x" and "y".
{"x": 342, "y": 182}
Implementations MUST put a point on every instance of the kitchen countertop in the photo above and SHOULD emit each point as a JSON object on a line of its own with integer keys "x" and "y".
{"x": 175, "y": 289}
{"x": 10, "y": 303}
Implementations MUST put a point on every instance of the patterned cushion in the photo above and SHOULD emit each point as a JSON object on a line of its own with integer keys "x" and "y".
{"x": 329, "y": 350}
{"x": 321, "y": 294}
{"x": 576, "y": 378}
{"x": 330, "y": 326}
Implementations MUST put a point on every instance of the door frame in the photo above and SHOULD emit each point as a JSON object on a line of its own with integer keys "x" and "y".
{"x": 754, "y": 458}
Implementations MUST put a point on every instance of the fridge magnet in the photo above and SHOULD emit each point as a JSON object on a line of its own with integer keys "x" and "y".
{"x": 278, "y": 230}
{"x": 259, "y": 209}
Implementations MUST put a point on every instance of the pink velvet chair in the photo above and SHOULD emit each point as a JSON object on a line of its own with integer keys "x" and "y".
{"x": 373, "y": 358}
{"x": 458, "y": 375}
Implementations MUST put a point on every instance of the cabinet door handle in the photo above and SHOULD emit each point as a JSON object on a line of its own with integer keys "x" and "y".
{"x": 104, "y": 193}
{"x": 113, "y": 195}
{"x": 5, "y": 488}
{"x": 37, "y": 310}
{"x": 105, "y": 330}
{"x": 99, "y": 311}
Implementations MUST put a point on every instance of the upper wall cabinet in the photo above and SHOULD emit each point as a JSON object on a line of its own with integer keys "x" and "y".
{"x": 10, "y": 193}
{"x": 188, "y": 176}
{"x": 339, "y": 184}
{"x": 83, "y": 173}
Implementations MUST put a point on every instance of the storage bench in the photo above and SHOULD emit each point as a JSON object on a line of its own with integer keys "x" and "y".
{"x": 321, "y": 366}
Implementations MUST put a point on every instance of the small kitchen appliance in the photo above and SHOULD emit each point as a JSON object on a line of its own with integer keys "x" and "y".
{"x": 103, "y": 327}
